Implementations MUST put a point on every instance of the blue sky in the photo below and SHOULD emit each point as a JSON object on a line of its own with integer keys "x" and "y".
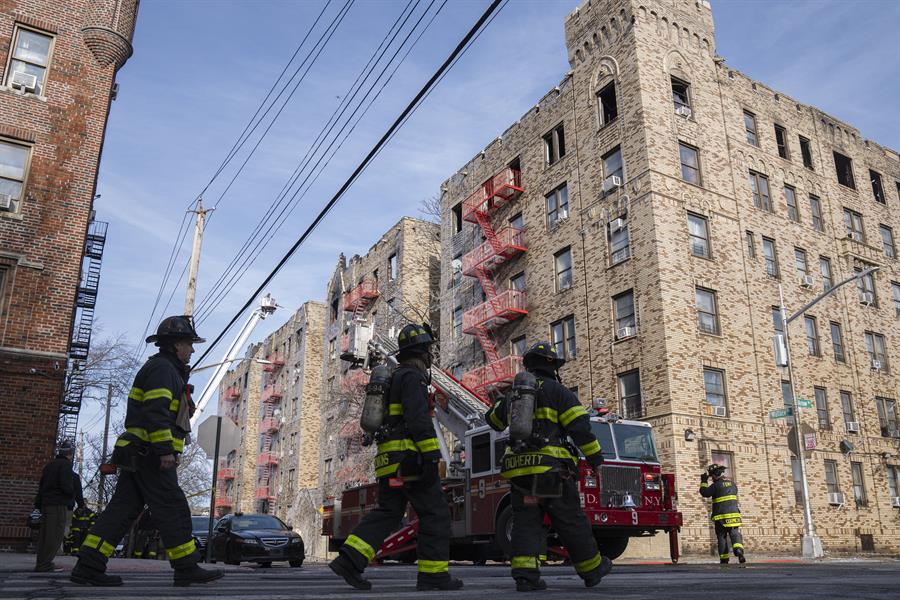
{"x": 200, "y": 69}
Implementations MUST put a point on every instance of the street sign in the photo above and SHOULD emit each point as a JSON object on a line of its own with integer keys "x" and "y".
{"x": 781, "y": 413}
{"x": 804, "y": 403}
{"x": 809, "y": 441}
{"x": 229, "y": 440}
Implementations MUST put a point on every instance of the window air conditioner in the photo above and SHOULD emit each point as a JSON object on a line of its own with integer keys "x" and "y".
{"x": 611, "y": 183}
{"x": 683, "y": 111}
{"x": 23, "y": 81}
{"x": 719, "y": 411}
{"x": 806, "y": 281}
{"x": 876, "y": 365}
{"x": 624, "y": 332}
{"x": 895, "y": 502}
{"x": 836, "y": 498}
{"x": 617, "y": 224}
{"x": 5, "y": 202}
{"x": 867, "y": 298}
{"x": 852, "y": 426}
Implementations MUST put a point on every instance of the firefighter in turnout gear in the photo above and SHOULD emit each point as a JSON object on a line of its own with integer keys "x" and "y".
{"x": 542, "y": 470}
{"x": 726, "y": 514}
{"x": 406, "y": 466}
{"x": 156, "y": 422}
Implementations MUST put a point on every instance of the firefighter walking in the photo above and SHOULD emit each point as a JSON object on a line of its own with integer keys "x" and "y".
{"x": 156, "y": 423}
{"x": 406, "y": 466}
{"x": 726, "y": 514}
{"x": 541, "y": 414}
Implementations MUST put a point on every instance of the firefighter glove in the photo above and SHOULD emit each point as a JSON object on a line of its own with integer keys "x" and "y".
{"x": 704, "y": 477}
{"x": 597, "y": 462}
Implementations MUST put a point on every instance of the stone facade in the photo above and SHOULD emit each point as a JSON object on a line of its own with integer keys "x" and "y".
{"x": 52, "y": 136}
{"x": 640, "y": 47}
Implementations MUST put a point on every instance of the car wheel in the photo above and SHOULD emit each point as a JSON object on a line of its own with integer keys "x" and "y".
{"x": 297, "y": 563}
{"x": 611, "y": 547}
{"x": 503, "y": 531}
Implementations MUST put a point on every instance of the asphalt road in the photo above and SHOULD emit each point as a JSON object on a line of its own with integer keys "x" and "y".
{"x": 856, "y": 579}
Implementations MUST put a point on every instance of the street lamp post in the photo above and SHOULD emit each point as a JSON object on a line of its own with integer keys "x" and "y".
{"x": 811, "y": 544}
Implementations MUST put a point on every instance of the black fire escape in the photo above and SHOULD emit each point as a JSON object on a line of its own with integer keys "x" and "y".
{"x": 79, "y": 347}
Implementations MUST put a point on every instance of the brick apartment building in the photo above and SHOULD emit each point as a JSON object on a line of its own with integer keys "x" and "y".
{"x": 59, "y": 60}
{"x": 641, "y": 217}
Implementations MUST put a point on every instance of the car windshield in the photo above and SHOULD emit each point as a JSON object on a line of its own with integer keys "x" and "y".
{"x": 601, "y": 431}
{"x": 256, "y": 522}
{"x": 200, "y": 523}
{"x": 635, "y": 442}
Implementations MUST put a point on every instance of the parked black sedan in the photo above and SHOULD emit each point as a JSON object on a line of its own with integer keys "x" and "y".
{"x": 261, "y": 539}
{"x": 200, "y": 531}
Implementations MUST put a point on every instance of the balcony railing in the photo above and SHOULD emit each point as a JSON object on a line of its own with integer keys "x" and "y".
{"x": 223, "y": 501}
{"x": 271, "y": 394}
{"x": 505, "y": 307}
{"x": 269, "y": 425}
{"x": 510, "y": 241}
{"x": 264, "y": 493}
{"x": 365, "y": 291}
{"x": 226, "y": 473}
{"x": 276, "y": 360}
{"x": 493, "y": 376}
{"x": 492, "y": 194}
{"x": 267, "y": 458}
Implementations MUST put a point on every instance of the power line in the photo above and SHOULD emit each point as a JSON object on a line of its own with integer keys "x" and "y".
{"x": 359, "y": 169}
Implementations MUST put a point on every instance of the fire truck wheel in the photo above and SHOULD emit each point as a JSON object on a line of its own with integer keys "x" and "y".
{"x": 611, "y": 547}
{"x": 503, "y": 531}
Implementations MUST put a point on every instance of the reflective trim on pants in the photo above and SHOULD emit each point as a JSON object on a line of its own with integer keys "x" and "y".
{"x": 95, "y": 543}
{"x": 588, "y": 565}
{"x": 181, "y": 551}
{"x": 524, "y": 562}
{"x": 361, "y": 546}
{"x": 433, "y": 566}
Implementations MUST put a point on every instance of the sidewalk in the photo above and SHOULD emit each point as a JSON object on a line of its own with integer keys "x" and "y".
{"x": 18, "y": 563}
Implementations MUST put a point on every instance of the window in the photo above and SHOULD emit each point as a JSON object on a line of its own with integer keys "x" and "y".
{"x": 750, "y": 127}
{"x": 517, "y": 346}
{"x": 859, "y": 486}
{"x": 726, "y": 459}
{"x": 456, "y": 270}
{"x": 847, "y": 407}
{"x": 800, "y": 261}
{"x": 798, "y": 480}
{"x": 698, "y": 231}
{"x": 557, "y": 206}
{"x": 822, "y": 408}
{"x": 825, "y": 270}
{"x": 31, "y": 55}
{"x": 619, "y": 248}
{"x": 332, "y": 348}
{"x": 831, "y": 479}
{"x": 623, "y": 309}
{"x": 806, "y": 151}
{"x": 781, "y": 142}
{"x": 563, "y": 262}
{"x": 690, "y": 163}
{"x": 751, "y": 244}
{"x": 517, "y": 282}
{"x": 759, "y": 185}
{"x": 786, "y": 394}
{"x": 812, "y": 336}
{"x": 392, "y": 266}
{"x": 630, "y": 394}
{"x": 887, "y": 240}
{"x": 335, "y": 308}
{"x": 457, "y": 321}
{"x": 374, "y": 279}
{"x": 815, "y": 207}
{"x": 768, "y": 246}
{"x": 328, "y": 470}
{"x": 790, "y": 196}
{"x": 877, "y": 188}
{"x": 875, "y": 348}
{"x": 865, "y": 285}
{"x": 707, "y": 312}
{"x": 895, "y": 293}
{"x": 562, "y": 334}
{"x": 714, "y": 385}
{"x": 837, "y": 342}
{"x": 13, "y": 168}
{"x": 681, "y": 94}
{"x": 887, "y": 416}
{"x": 844, "y": 167}
{"x": 517, "y": 222}
{"x": 854, "y": 225}
{"x": 612, "y": 164}
{"x": 555, "y": 144}
{"x": 457, "y": 217}
{"x": 893, "y": 477}
{"x": 606, "y": 103}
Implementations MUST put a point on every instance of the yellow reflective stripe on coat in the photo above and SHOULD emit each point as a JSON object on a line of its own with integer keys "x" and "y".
{"x": 590, "y": 448}
{"x": 433, "y": 566}
{"x": 174, "y": 405}
{"x": 94, "y": 542}
{"x": 727, "y": 516}
{"x": 136, "y": 394}
{"x": 387, "y": 470}
{"x": 545, "y": 412}
{"x": 396, "y": 446}
{"x": 177, "y": 445}
{"x": 141, "y": 434}
{"x": 704, "y": 484}
{"x": 496, "y": 420}
{"x": 160, "y": 435}
{"x": 181, "y": 551}
{"x": 524, "y": 562}
{"x": 525, "y": 471}
{"x": 158, "y": 393}
{"x": 361, "y": 546}
{"x": 395, "y": 409}
{"x": 429, "y": 445}
{"x": 724, "y": 499}
{"x": 588, "y": 565}
{"x": 571, "y": 414}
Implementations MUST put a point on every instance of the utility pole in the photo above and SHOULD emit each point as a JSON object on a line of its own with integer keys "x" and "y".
{"x": 195, "y": 257}
{"x": 109, "y": 393}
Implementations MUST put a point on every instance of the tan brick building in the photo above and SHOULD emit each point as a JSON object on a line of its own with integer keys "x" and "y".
{"x": 641, "y": 217}
{"x": 58, "y": 62}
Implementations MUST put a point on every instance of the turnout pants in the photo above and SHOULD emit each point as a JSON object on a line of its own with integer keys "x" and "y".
{"x": 529, "y": 538}
{"x": 50, "y": 535}
{"x": 737, "y": 541}
{"x": 433, "y": 544}
{"x": 159, "y": 490}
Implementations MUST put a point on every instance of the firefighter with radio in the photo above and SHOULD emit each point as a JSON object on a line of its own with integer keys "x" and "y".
{"x": 541, "y": 464}
{"x": 397, "y": 412}
{"x": 726, "y": 514}
{"x": 146, "y": 454}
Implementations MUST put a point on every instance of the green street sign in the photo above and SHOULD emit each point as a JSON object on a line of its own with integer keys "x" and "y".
{"x": 781, "y": 413}
{"x": 804, "y": 403}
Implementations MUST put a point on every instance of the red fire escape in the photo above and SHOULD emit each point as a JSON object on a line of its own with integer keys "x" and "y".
{"x": 223, "y": 476}
{"x": 267, "y": 462}
{"x": 499, "y": 308}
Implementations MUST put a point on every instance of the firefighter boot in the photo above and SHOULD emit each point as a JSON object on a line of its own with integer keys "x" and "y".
{"x": 87, "y": 576}
{"x": 740, "y": 555}
{"x": 723, "y": 562}
{"x": 195, "y": 574}
{"x": 438, "y": 584}
{"x": 344, "y": 568}
{"x": 592, "y": 578}
{"x": 528, "y": 585}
